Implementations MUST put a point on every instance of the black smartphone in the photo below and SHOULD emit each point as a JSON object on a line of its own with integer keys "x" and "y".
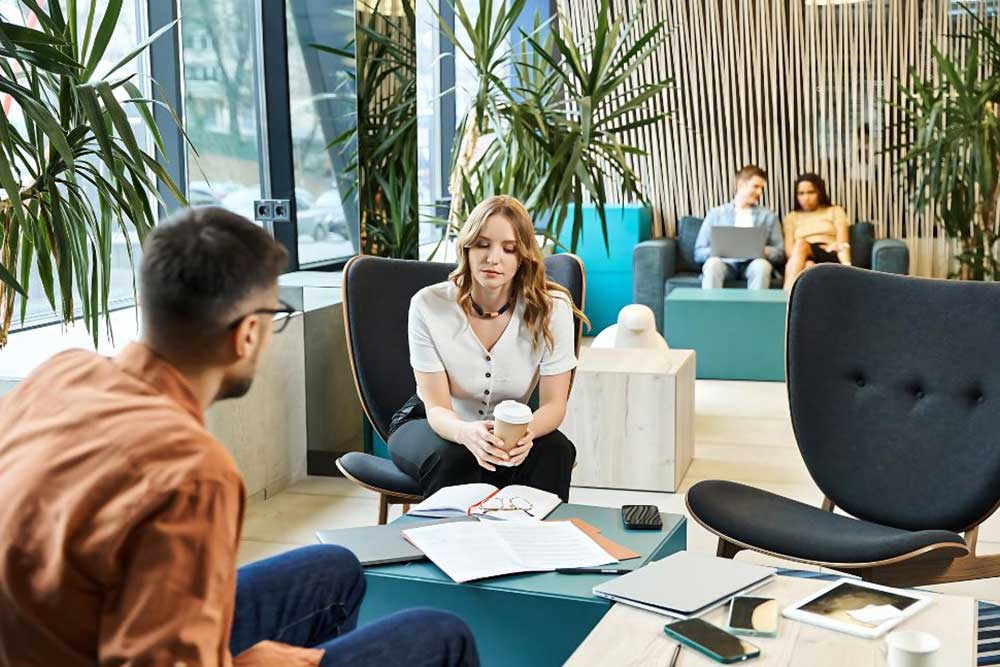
{"x": 642, "y": 517}
{"x": 711, "y": 641}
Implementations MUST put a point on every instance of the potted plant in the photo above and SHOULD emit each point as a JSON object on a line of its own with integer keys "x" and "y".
{"x": 554, "y": 133}
{"x": 952, "y": 158}
{"x": 548, "y": 123}
{"x": 72, "y": 172}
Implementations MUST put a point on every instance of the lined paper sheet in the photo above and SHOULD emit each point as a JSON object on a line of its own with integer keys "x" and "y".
{"x": 469, "y": 551}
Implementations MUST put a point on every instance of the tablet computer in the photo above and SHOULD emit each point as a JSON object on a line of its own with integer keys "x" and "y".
{"x": 858, "y": 607}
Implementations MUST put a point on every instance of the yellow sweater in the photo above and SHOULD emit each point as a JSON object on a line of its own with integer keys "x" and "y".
{"x": 819, "y": 226}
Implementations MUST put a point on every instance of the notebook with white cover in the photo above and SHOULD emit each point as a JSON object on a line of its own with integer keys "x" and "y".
{"x": 685, "y": 584}
{"x": 479, "y": 549}
{"x": 517, "y": 503}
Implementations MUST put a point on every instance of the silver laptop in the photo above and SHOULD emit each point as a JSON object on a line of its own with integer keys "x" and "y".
{"x": 380, "y": 545}
{"x": 738, "y": 242}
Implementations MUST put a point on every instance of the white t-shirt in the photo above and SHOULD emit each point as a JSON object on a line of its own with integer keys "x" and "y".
{"x": 441, "y": 339}
{"x": 744, "y": 218}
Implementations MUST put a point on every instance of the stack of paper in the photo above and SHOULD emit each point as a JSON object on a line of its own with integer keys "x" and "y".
{"x": 468, "y": 551}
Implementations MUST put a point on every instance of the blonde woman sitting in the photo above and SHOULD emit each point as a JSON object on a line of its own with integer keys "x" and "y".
{"x": 816, "y": 231}
{"x": 486, "y": 335}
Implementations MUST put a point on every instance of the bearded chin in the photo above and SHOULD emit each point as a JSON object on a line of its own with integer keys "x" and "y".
{"x": 235, "y": 388}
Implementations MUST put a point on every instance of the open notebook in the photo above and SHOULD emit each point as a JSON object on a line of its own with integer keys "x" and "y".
{"x": 518, "y": 503}
{"x": 478, "y": 549}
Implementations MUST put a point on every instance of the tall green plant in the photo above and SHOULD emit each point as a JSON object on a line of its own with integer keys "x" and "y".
{"x": 73, "y": 172}
{"x": 385, "y": 161}
{"x": 558, "y": 130}
{"x": 952, "y": 160}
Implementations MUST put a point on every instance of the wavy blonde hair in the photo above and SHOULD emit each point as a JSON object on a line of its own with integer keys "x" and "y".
{"x": 530, "y": 285}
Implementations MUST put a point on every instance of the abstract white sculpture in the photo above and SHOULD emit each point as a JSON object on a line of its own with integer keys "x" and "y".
{"x": 636, "y": 328}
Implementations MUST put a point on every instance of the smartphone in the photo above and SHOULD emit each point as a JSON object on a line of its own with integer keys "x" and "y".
{"x": 753, "y": 616}
{"x": 642, "y": 517}
{"x": 711, "y": 641}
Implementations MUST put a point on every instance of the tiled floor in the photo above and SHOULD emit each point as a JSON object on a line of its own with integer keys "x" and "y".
{"x": 742, "y": 433}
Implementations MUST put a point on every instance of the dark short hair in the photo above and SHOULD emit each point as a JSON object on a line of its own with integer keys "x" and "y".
{"x": 817, "y": 182}
{"x": 197, "y": 266}
{"x": 749, "y": 171}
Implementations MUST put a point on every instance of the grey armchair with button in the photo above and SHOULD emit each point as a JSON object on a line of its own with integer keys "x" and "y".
{"x": 896, "y": 412}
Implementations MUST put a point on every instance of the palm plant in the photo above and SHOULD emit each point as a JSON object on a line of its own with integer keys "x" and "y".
{"x": 952, "y": 161}
{"x": 73, "y": 171}
{"x": 385, "y": 157}
{"x": 558, "y": 130}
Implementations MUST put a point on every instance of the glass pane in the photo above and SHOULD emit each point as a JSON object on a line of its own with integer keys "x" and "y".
{"x": 129, "y": 30}
{"x": 323, "y": 106}
{"x": 220, "y": 103}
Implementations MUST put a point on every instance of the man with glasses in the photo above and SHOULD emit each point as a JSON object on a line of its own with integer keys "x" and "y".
{"x": 121, "y": 514}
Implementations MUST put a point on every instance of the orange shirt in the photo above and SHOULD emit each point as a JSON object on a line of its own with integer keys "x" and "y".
{"x": 120, "y": 518}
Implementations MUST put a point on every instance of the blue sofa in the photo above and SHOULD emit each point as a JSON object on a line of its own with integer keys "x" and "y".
{"x": 659, "y": 265}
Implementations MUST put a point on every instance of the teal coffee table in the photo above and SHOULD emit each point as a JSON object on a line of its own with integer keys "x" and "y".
{"x": 525, "y": 620}
{"x": 737, "y": 334}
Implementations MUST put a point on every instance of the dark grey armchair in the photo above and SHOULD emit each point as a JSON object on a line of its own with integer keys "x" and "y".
{"x": 377, "y": 295}
{"x": 660, "y": 265}
{"x": 894, "y": 403}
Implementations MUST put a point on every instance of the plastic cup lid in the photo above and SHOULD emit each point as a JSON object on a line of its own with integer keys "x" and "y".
{"x": 512, "y": 412}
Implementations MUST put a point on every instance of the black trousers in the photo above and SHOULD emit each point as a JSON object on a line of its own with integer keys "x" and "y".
{"x": 424, "y": 455}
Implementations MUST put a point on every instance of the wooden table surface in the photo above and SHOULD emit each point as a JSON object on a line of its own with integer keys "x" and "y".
{"x": 632, "y": 637}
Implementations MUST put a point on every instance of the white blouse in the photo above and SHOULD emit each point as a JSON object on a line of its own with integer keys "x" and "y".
{"x": 441, "y": 339}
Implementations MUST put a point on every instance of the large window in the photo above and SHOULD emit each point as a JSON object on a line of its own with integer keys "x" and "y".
{"x": 219, "y": 53}
{"x": 323, "y": 106}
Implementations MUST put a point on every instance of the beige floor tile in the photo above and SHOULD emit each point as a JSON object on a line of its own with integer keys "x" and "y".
{"x": 251, "y": 551}
{"x": 741, "y": 399}
{"x": 315, "y": 485}
{"x": 748, "y": 462}
{"x": 294, "y": 518}
{"x": 743, "y": 431}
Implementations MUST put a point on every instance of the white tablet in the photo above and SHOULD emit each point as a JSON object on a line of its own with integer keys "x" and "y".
{"x": 858, "y": 607}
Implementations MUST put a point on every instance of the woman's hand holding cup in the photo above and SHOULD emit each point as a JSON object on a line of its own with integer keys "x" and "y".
{"x": 479, "y": 439}
{"x": 522, "y": 448}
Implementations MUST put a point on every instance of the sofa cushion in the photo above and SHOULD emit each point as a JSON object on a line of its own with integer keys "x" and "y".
{"x": 862, "y": 239}
{"x": 687, "y": 233}
{"x": 691, "y": 279}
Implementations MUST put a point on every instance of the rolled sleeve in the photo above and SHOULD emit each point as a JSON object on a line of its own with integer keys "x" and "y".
{"x": 424, "y": 356}
{"x": 562, "y": 356}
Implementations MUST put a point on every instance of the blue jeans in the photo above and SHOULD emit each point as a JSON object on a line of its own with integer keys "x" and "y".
{"x": 311, "y": 596}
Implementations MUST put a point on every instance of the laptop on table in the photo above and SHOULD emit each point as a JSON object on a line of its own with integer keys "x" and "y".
{"x": 738, "y": 242}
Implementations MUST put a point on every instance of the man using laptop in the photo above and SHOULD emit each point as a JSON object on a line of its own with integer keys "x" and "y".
{"x": 743, "y": 211}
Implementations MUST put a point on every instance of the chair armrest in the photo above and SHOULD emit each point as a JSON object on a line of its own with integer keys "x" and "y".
{"x": 891, "y": 256}
{"x": 652, "y": 263}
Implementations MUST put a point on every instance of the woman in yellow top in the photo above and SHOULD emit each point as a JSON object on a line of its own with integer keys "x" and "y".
{"x": 816, "y": 231}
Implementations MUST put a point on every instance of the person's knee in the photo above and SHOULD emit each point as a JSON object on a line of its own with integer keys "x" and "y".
{"x": 455, "y": 462}
{"x": 556, "y": 444}
{"x": 714, "y": 266}
{"x": 332, "y": 563}
{"x": 443, "y": 625}
{"x": 759, "y": 268}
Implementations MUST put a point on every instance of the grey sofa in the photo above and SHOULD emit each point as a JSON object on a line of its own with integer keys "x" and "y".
{"x": 660, "y": 265}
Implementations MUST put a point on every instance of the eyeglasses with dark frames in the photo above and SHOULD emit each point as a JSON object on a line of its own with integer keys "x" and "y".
{"x": 277, "y": 324}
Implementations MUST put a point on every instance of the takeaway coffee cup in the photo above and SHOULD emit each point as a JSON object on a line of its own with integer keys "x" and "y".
{"x": 510, "y": 421}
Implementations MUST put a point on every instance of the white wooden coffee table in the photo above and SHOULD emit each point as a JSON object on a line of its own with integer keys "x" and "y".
{"x": 631, "y": 417}
{"x": 631, "y": 637}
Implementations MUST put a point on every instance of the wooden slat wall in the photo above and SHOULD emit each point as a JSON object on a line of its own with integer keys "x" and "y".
{"x": 789, "y": 85}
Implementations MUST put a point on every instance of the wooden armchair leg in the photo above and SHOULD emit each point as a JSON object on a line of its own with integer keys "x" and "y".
{"x": 406, "y": 507}
{"x": 727, "y": 549}
{"x": 383, "y": 509}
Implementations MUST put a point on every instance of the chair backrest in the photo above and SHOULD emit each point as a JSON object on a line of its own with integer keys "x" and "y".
{"x": 377, "y": 293}
{"x": 687, "y": 233}
{"x": 894, "y": 394}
